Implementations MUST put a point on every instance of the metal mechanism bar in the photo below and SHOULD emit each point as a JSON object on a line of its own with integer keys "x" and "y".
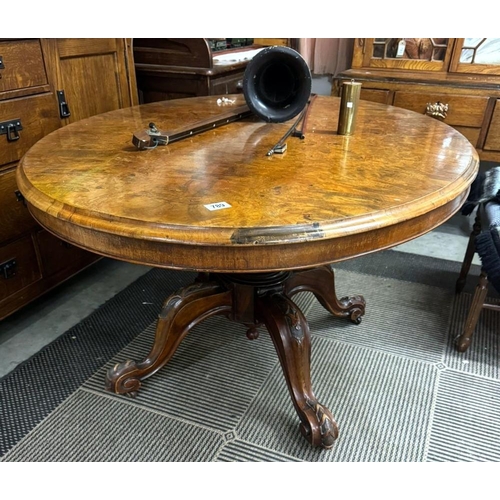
{"x": 152, "y": 137}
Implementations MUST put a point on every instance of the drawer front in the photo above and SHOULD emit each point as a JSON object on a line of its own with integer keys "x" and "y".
{"x": 25, "y": 270}
{"x": 37, "y": 114}
{"x": 15, "y": 219}
{"x": 376, "y": 95}
{"x": 472, "y": 134}
{"x": 22, "y": 65}
{"x": 227, "y": 84}
{"x": 170, "y": 86}
{"x": 57, "y": 255}
{"x": 466, "y": 111}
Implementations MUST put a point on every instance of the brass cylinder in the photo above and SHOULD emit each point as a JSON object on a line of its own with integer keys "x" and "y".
{"x": 349, "y": 99}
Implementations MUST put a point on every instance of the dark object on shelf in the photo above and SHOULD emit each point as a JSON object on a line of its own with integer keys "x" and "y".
{"x": 233, "y": 43}
{"x": 217, "y": 43}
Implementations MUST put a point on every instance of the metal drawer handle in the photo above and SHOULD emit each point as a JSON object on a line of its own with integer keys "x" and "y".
{"x": 437, "y": 110}
{"x": 11, "y": 129}
{"x": 20, "y": 197}
{"x": 12, "y": 133}
{"x": 8, "y": 268}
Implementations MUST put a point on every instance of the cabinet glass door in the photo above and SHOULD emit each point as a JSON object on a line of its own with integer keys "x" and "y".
{"x": 477, "y": 55}
{"x": 421, "y": 54}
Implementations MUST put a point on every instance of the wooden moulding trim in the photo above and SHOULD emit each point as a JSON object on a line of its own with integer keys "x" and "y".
{"x": 254, "y": 258}
{"x": 426, "y": 78}
{"x": 159, "y": 70}
{"x": 221, "y": 236}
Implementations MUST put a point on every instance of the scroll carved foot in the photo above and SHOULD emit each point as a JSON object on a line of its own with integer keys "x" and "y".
{"x": 181, "y": 312}
{"x": 323, "y": 420}
{"x": 321, "y": 282}
{"x": 292, "y": 339}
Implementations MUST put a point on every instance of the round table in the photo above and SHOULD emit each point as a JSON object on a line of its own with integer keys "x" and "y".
{"x": 257, "y": 228}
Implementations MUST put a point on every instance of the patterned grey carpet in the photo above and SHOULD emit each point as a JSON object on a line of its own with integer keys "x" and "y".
{"x": 396, "y": 385}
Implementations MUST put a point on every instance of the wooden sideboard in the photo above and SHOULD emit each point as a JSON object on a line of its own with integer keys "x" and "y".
{"x": 455, "y": 80}
{"x": 44, "y": 85}
{"x": 173, "y": 68}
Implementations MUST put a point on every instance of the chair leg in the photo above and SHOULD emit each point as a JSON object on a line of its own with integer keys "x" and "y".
{"x": 469, "y": 254}
{"x": 463, "y": 341}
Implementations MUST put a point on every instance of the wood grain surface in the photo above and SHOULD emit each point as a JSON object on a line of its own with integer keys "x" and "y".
{"x": 328, "y": 198}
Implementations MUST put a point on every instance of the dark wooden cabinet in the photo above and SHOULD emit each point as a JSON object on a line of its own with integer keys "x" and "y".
{"x": 94, "y": 76}
{"x": 456, "y": 80}
{"x": 173, "y": 68}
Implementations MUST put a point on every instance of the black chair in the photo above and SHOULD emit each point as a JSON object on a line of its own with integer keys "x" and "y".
{"x": 485, "y": 240}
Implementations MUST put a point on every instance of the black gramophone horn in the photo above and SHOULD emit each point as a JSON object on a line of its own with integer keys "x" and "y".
{"x": 277, "y": 84}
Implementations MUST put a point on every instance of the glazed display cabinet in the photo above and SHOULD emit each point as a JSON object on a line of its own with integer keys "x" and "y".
{"x": 456, "y": 80}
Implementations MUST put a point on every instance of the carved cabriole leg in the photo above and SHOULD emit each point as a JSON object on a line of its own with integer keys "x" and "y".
{"x": 290, "y": 333}
{"x": 181, "y": 312}
{"x": 469, "y": 253}
{"x": 463, "y": 341}
{"x": 321, "y": 282}
{"x": 254, "y": 301}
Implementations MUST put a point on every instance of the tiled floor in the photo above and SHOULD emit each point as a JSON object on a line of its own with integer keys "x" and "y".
{"x": 27, "y": 331}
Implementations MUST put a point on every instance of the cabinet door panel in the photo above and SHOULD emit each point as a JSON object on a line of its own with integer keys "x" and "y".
{"x": 95, "y": 74}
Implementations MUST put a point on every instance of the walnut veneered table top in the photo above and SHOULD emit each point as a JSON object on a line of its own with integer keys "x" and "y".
{"x": 327, "y": 198}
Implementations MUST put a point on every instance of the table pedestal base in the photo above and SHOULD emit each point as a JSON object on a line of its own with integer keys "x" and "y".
{"x": 255, "y": 300}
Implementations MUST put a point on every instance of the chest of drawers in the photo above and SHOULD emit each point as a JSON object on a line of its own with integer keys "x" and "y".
{"x": 438, "y": 83}
{"x": 46, "y": 84}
